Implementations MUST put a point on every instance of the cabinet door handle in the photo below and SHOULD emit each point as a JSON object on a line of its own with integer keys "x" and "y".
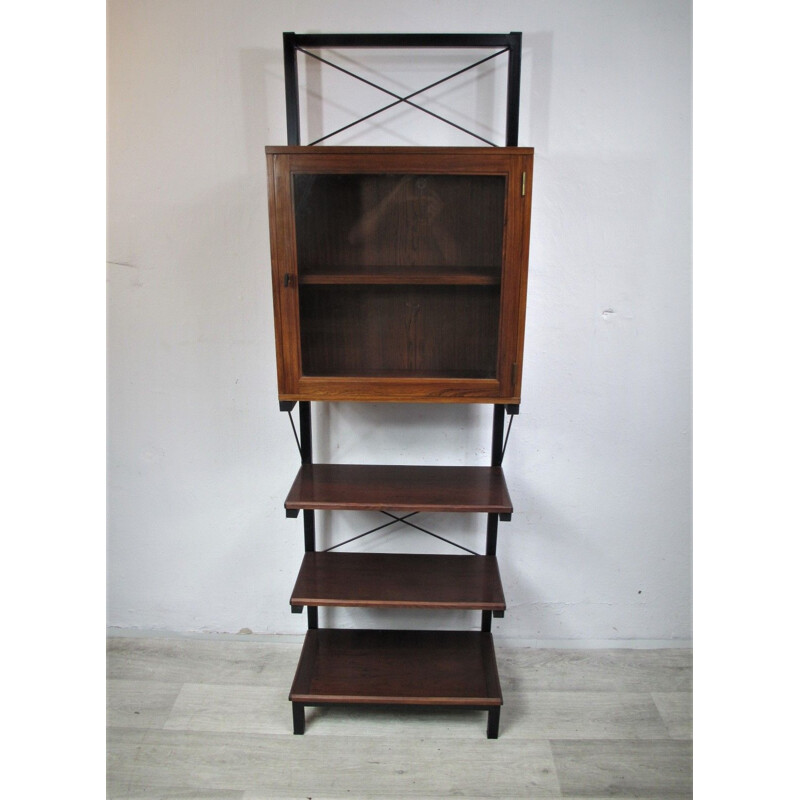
{"x": 286, "y": 279}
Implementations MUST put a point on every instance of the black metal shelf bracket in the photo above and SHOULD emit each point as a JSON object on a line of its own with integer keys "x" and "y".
{"x": 294, "y": 431}
{"x": 505, "y": 441}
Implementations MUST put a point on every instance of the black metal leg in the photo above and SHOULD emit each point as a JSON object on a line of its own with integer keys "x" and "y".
{"x": 493, "y": 727}
{"x": 299, "y": 718}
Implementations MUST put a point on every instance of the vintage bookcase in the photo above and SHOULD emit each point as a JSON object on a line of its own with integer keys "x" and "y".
{"x": 399, "y": 274}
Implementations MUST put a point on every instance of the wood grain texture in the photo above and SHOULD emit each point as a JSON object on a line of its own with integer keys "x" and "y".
{"x": 207, "y": 765}
{"x": 624, "y": 768}
{"x": 397, "y": 272}
{"x": 400, "y": 488}
{"x": 229, "y": 734}
{"x": 677, "y": 712}
{"x": 373, "y": 274}
{"x": 406, "y": 331}
{"x": 139, "y": 704}
{"x": 396, "y": 580}
{"x": 405, "y": 667}
{"x": 585, "y": 715}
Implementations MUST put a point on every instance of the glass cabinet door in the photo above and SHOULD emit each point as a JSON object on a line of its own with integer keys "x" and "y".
{"x": 399, "y": 274}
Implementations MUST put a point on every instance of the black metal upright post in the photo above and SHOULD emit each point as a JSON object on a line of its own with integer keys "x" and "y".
{"x": 306, "y": 457}
{"x": 512, "y": 97}
{"x": 514, "y": 44}
{"x": 309, "y": 524}
{"x": 306, "y": 449}
{"x": 292, "y": 96}
{"x": 498, "y": 421}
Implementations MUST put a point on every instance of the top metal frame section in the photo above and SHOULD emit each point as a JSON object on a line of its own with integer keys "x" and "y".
{"x": 507, "y": 42}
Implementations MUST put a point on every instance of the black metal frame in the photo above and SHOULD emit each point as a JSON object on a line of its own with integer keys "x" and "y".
{"x": 299, "y": 714}
{"x": 507, "y": 42}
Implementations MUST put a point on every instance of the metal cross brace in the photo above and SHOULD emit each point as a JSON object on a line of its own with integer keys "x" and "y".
{"x": 404, "y": 520}
{"x": 400, "y": 99}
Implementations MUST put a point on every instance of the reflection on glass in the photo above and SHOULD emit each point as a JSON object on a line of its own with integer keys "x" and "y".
{"x": 399, "y": 274}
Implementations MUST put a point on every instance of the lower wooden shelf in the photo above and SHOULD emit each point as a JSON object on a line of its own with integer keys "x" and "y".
{"x": 432, "y": 668}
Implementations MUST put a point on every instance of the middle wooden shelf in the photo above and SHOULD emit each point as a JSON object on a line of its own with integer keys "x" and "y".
{"x": 399, "y": 580}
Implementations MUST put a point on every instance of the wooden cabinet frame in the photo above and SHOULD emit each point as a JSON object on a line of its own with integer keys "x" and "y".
{"x": 514, "y": 165}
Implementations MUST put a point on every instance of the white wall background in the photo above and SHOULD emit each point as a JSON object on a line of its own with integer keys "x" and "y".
{"x": 599, "y": 461}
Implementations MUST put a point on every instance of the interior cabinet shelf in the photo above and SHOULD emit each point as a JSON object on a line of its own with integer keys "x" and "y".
{"x": 408, "y": 276}
{"x": 394, "y": 580}
{"x": 443, "y": 668}
{"x": 366, "y": 487}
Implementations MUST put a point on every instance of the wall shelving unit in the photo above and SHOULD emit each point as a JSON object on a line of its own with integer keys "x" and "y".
{"x": 399, "y": 274}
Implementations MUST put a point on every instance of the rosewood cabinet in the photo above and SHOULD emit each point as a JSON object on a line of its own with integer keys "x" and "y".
{"x": 399, "y": 275}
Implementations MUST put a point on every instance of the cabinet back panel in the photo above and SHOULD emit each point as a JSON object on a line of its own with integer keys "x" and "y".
{"x": 346, "y": 221}
{"x": 412, "y": 331}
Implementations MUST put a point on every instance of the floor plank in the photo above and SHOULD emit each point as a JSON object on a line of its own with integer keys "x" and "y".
{"x": 623, "y": 670}
{"x": 582, "y": 715}
{"x": 211, "y": 720}
{"x": 607, "y": 768}
{"x": 296, "y": 766}
{"x": 230, "y": 708}
{"x": 676, "y": 711}
{"x": 139, "y": 704}
{"x": 253, "y": 662}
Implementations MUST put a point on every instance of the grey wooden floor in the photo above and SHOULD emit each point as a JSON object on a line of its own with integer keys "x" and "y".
{"x": 199, "y": 718}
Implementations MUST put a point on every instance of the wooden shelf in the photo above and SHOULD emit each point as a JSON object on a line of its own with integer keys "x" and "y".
{"x": 452, "y": 668}
{"x": 401, "y": 275}
{"x": 362, "y": 487}
{"x": 417, "y": 375}
{"x": 399, "y": 580}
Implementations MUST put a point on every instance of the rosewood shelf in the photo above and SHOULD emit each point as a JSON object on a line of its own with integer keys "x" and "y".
{"x": 361, "y": 487}
{"x": 386, "y": 667}
{"x": 395, "y": 580}
{"x": 422, "y": 276}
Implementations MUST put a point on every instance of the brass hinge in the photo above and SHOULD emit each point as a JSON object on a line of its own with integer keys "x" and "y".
{"x": 523, "y": 183}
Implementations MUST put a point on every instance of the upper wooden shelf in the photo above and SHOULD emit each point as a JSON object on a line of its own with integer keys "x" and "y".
{"x": 365, "y": 487}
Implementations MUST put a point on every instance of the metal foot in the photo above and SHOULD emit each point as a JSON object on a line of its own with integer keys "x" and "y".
{"x": 299, "y": 718}
{"x": 493, "y": 727}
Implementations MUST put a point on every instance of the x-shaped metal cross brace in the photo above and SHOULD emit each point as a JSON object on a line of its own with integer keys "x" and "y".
{"x": 402, "y": 99}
